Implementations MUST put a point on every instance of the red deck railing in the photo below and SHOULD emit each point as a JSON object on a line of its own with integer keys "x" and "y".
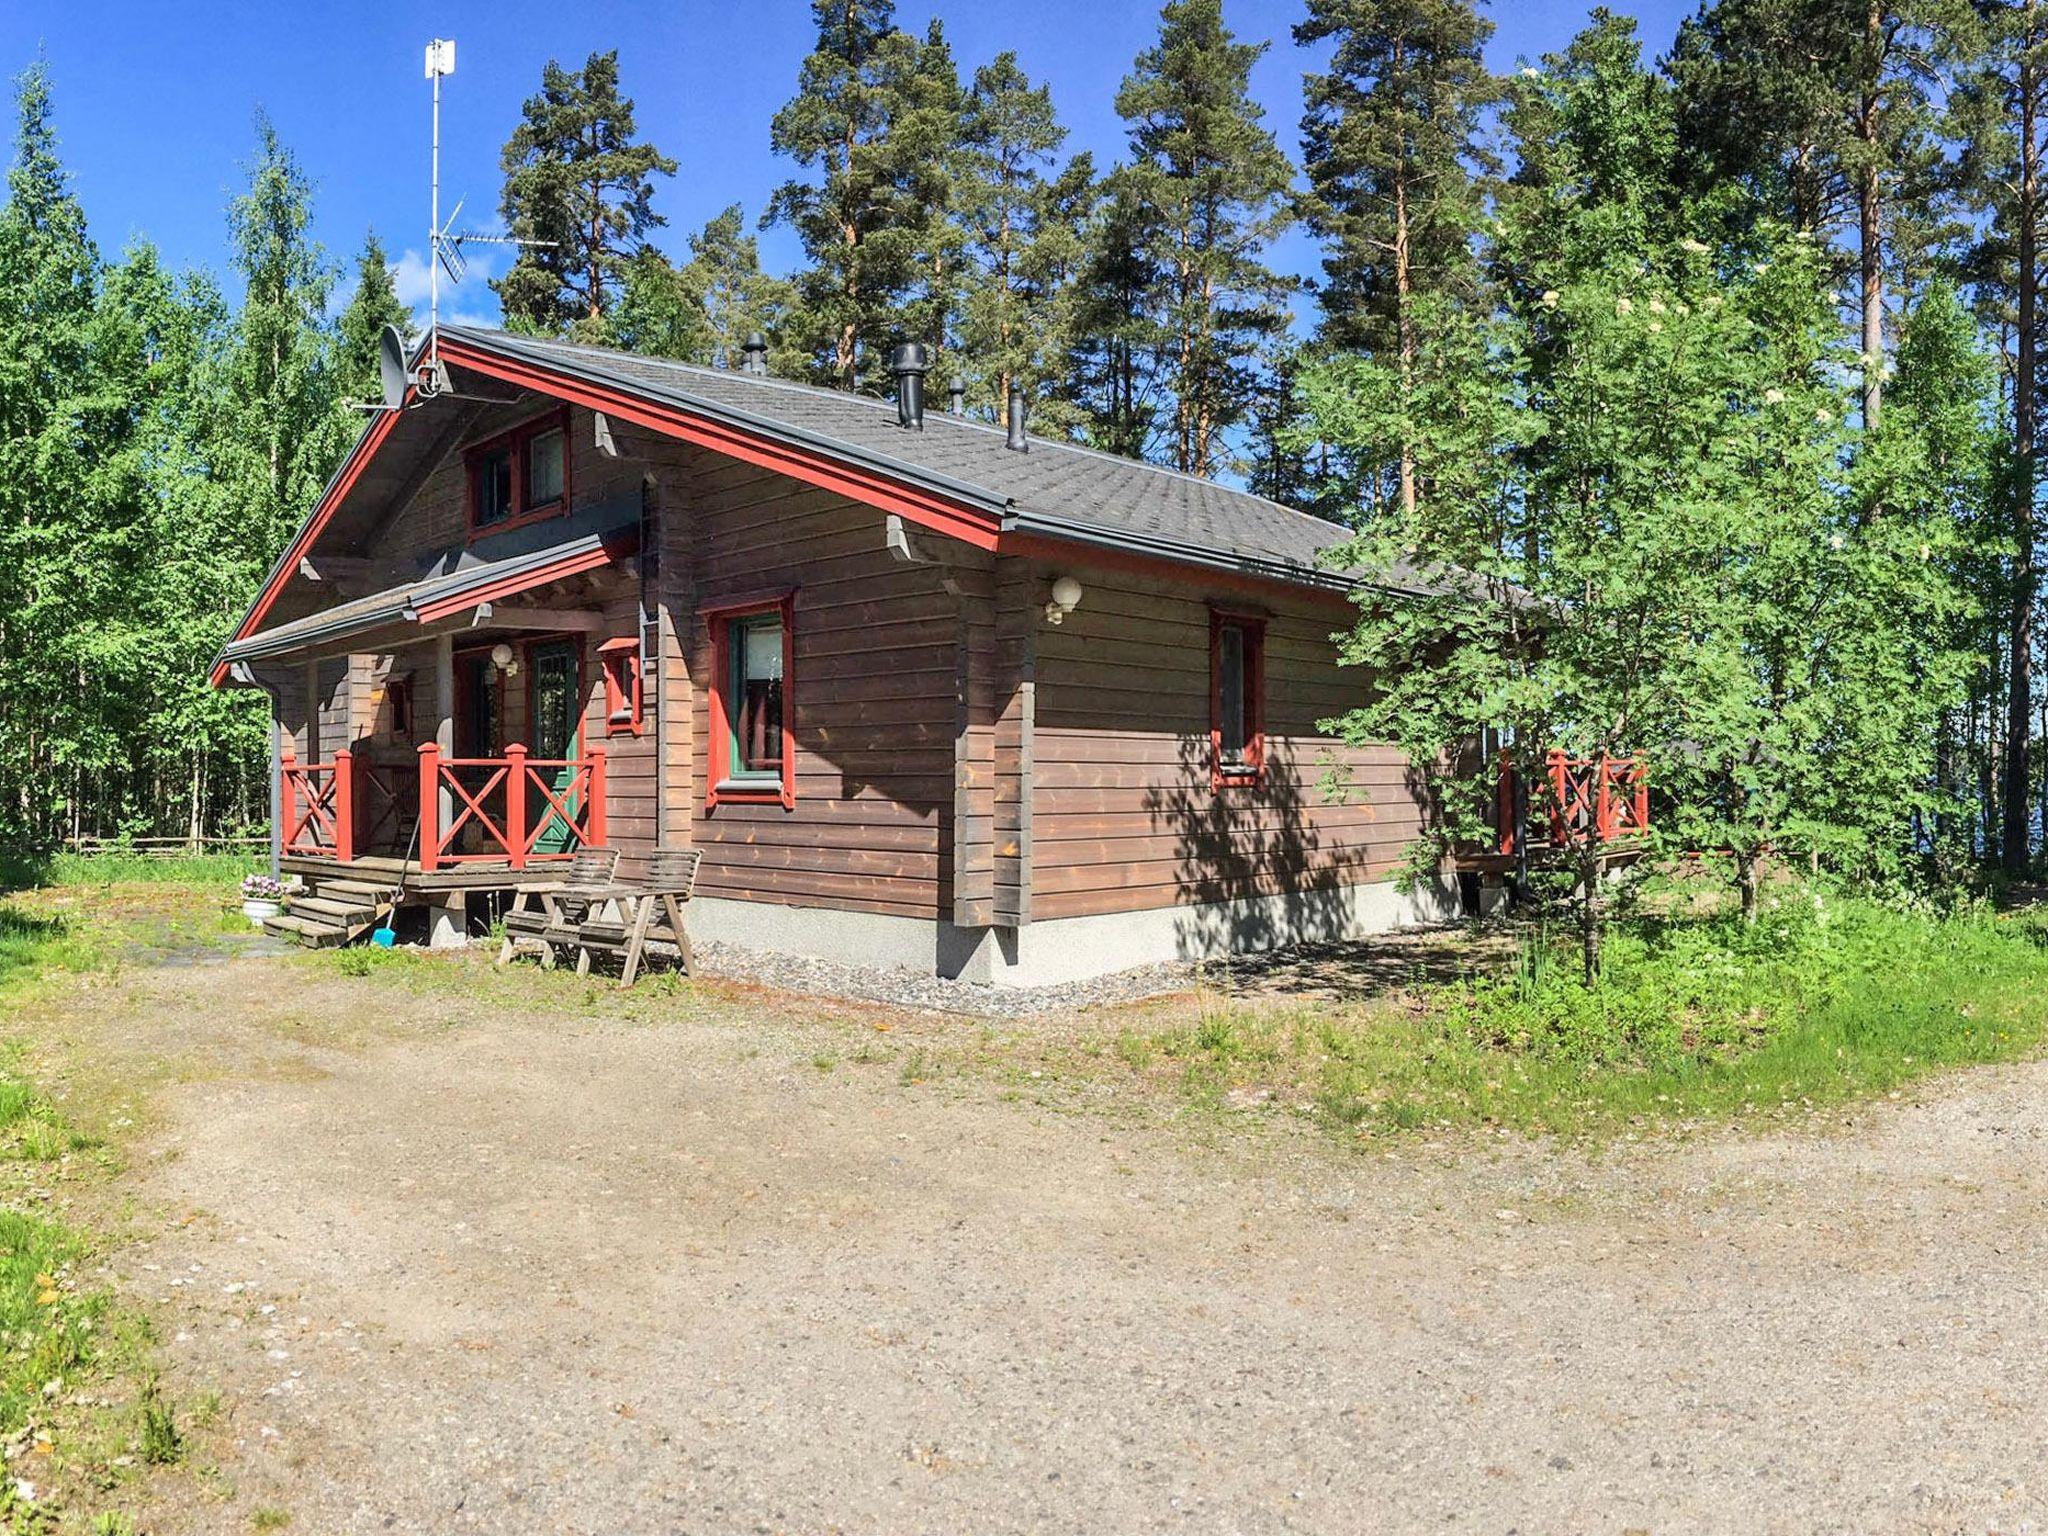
{"x": 528, "y": 810}
{"x": 318, "y": 801}
{"x": 1580, "y": 797}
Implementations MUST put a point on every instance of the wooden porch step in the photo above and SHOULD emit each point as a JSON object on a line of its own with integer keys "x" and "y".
{"x": 345, "y": 913}
{"x": 311, "y": 932}
{"x": 370, "y": 891}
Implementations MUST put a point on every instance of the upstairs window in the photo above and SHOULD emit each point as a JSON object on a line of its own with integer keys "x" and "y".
{"x": 520, "y": 475}
{"x": 753, "y": 737}
{"x": 1237, "y": 681}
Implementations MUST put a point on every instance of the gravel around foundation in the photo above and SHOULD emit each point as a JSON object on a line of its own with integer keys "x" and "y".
{"x": 476, "y": 1259}
{"x": 1307, "y": 970}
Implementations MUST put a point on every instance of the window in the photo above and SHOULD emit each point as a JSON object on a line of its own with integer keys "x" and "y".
{"x": 1237, "y": 680}
{"x": 398, "y": 698}
{"x": 621, "y": 660}
{"x": 520, "y": 475}
{"x": 753, "y": 736}
{"x": 544, "y": 466}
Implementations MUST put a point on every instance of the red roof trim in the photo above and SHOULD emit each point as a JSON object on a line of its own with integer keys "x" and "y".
{"x": 524, "y": 581}
{"x": 922, "y": 507}
{"x": 337, "y": 491}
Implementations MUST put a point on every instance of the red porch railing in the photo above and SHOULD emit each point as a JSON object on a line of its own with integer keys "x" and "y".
{"x": 527, "y": 810}
{"x": 1583, "y": 796}
{"x": 318, "y": 801}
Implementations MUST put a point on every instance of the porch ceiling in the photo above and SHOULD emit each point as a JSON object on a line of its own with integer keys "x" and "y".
{"x": 413, "y": 608}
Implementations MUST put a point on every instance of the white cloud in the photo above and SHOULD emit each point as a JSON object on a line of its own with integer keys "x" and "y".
{"x": 469, "y": 302}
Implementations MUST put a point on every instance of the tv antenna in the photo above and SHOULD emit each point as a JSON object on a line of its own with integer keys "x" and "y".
{"x": 427, "y": 378}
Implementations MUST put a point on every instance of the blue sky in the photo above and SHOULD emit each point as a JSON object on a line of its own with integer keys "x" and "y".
{"x": 155, "y": 107}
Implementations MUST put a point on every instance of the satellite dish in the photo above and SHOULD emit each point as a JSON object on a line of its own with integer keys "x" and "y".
{"x": 391, "y": 366}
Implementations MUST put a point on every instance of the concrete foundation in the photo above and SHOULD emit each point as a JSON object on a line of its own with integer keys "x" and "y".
{"x": 1071, "y": 948}
{"x": 448, "y": 920}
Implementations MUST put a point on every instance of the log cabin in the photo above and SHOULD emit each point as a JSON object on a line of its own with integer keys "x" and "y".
{"x": 926, "y": 692}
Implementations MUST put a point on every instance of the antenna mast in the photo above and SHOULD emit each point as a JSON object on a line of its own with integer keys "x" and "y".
{"x": 440, "y": 62}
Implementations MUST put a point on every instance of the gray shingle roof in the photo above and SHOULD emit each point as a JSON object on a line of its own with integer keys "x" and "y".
{"x": 1055, "y": 488}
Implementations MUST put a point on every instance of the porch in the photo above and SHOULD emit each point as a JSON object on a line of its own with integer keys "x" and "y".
{"x": 1574, "y": 801}
{"x": 368, "y": 838}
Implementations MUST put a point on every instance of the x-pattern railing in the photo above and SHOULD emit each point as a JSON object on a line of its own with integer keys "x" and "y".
{"x": 1603, "y": 797}
{"x": 318, "y": 804}
{"x": 512, "y": 803}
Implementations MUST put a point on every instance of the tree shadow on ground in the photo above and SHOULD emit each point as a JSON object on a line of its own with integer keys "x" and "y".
{"x": 1363, "y": 968}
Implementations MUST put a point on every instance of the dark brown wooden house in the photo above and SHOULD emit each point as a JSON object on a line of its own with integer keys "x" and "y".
{"x": 924, "y": 693}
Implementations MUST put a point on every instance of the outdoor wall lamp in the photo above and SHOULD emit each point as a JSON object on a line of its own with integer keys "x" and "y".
{"x": 1066, "y": 597}
{"x": 503, "y": 659}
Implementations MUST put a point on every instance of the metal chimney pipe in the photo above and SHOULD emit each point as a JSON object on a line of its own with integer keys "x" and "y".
{"x": 909, "y": 363}
{"x": 956, "y": 398}
{"x": 1017, "y": 439}
{"x": 754, "y": 354}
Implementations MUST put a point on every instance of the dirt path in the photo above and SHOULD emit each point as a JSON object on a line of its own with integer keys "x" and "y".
{"x": 498, "y": 1271}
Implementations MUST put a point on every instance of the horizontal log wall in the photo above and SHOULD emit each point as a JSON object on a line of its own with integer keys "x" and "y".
{"x": 873, "y": 682}
{"x": 1123, "y": 815}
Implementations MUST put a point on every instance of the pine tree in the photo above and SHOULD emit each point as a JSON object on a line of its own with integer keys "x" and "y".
{"x": 578, "y": 180}
{"x": 862, "y": 233}
{"x": 1825, "y": 108}
{"x": 51, "y": 533}
{"x": 2001, "y": 117}
{"x": 1392, "y": 151}
{"x": 702, "y": 311}
{"x": 283, "y": 427}
{"x": 357, "y": 333}
{"x": 1391, "y": 145}
{"x": 1024, "y": 220}
{"x": 1115, "y": 379}
{"x": 1214, "y": 185}
{"x": 924, "y": 145}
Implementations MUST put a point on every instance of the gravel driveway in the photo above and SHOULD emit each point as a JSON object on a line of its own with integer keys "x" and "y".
{"x": 520, "y": 1270}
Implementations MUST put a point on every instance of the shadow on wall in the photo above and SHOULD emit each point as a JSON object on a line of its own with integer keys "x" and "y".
{"x": 1252, "y": 867}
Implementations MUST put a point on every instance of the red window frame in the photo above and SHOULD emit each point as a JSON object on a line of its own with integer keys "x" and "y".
{"x": 720, "y": 788}
{"x": 620, "y": 659}
{"x": 1252, "y": 771}
{"x": 515, "y": 441}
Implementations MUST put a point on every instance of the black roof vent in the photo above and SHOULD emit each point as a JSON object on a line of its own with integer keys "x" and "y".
{"x": 754, "y": 354}
{"x": 956, "y": 398}
{"x": 1017, "y": 439}
{"x": 908, "y": 362}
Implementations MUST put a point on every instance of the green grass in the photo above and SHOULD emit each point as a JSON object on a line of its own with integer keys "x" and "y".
{"x": 1823, "y": 1001}
{"x": 77, "y": 1385}
{"x": 224, "y": 870}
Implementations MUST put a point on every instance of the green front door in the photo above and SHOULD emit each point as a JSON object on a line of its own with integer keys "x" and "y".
{"x": 555, "y": 712}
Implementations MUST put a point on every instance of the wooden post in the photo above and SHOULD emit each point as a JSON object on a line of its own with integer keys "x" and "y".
{"x": 515, "y": 805}
{"x": 430, "y": 807}
{"x": 1603, "y": 811}
{"x": 1504, "y": 803}
{"x": 1642, "y": 796}
{"x": 444, "y": 730}
{"x": 344, "y": 805}
{"x": 1560, "y": 807}
{"x": 593, "y": 812}
{"x": 287, "y": 795}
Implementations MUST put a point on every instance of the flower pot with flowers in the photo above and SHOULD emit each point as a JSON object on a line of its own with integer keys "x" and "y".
{"x": 262, "y": 897}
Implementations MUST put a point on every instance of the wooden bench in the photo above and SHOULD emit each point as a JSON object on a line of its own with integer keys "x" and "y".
{"x": 562, "y": 902}
{"x": 649, "y": 909}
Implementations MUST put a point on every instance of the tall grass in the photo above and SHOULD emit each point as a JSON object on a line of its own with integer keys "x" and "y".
{"x": 1821, "y": 1001}
{"x": 224, "y": 870}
